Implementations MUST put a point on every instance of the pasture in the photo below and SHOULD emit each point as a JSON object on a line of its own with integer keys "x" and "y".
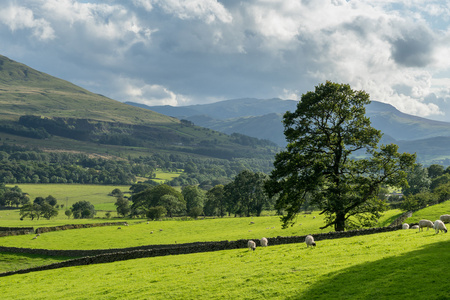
{"x": 394, "y": 265}
{"x": 169, "y": 231}
{"x": 68, "y": 194}
{"x": 431, "y": 213}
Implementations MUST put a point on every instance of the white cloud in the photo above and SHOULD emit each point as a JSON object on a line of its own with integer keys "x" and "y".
{"x": 18, "y": 18}
{"x": 185, "y": 52}
{"x": 206, "y": 10}
{"x": 135, "y": 90}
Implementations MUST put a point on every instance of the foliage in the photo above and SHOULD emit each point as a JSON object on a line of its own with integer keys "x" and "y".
{"x": 30, "y": 210}
{"x": 194, "y": 198}
{"x": 327, "y": 130}
{"x": 216, "y": 203}
{"x": 41, "y": 207}
{"x": 122, "y": 206}
{"x": 245, "y": 194}
{"x": 418, "y": 180}
{"x": 83, "y": 210}
{"x": 154, "y": 196}
{"x": 156, "y": 212}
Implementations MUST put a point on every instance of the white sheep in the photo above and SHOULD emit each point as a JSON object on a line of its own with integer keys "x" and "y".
{"x": 405, "y": 226}
{"x": 445, "y": 218}
{"x": 425, "y": 223}
{"x": 251, "y": 245}
{"x": 439, "y": 225}
{"x": 415, "y": 227}
{"x": 309, "y": 240}
{"x": 264, "y": 242}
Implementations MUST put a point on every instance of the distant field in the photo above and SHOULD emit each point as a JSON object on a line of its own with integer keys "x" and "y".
{"x": 68, "y": 194}
{"x": 381, "y": 266}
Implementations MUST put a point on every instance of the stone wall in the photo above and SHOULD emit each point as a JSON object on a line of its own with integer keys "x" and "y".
{"x": 111, "y": 255}
{"x": 402, "y": 218}
{"x": 8, "y": 231}
{"x": 76, "y": 226}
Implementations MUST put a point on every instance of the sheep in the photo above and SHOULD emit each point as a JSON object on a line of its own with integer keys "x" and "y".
{"x": 415, "y": 227}
{"x": 251, "y": 245}
{"x": 405, "y": 226}
{"x": 439, "y": 225}
{"x": 445, "y": 218}
{"x": 425, "y": 223}
{"x": 119, "y": 227}
{"x": 264, "y": 242}
{"x": 309, "y": 240}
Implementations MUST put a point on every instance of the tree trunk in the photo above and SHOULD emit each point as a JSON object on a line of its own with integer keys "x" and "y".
{"x": 339, "y": 225}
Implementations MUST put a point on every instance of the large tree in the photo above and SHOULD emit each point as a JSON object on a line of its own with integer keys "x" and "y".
{"x": 325, "y": 135}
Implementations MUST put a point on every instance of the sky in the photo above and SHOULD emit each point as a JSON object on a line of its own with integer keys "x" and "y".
{"x": 180, "y": 52}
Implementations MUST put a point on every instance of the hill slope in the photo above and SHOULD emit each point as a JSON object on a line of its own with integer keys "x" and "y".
{"x": 39, "y": 110}
{"x": 25, "y": 91}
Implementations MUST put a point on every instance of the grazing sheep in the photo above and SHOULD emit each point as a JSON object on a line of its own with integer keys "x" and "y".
{"x": 439, "y": 225}
{"x": 119, "y": 227}
{"x": 425, "y": 223}
{"x": 405, "y": 226}
{"x": 264, "y": 242}
{"x": 252, "y": 222}
{"x": 445, "y": 218}
{"x": 251, "y": 245}
{"x": 34, "y": 237}
{"x": 415, "y": 227}
{"x": 309, "y": 240}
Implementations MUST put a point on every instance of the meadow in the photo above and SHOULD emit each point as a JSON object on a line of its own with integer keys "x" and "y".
{"x": 387, "y": 265}
{"x": 403, "y": 264}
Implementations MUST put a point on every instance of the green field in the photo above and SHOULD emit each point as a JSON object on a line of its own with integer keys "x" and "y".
{"x": 388, "y": 265}
{"x": 403, "y": 264}
{"x": 430, "y": 213}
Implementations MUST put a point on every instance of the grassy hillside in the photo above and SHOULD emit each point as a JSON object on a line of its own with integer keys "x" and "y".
{"x": 24, "y": 91}
{"x": 39, "y": 110}
{"x": 380, "y": 266}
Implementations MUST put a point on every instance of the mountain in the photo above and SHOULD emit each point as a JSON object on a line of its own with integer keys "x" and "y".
{"x": 39, "y": 110}
{"x": 25, "y": 91}
{"x": 262, "y": 118}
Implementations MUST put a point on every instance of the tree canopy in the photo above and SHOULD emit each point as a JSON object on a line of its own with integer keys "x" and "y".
{"x": 325, "y": 135}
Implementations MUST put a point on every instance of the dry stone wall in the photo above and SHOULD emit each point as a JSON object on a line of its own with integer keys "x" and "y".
{"x": 111, "y": 255}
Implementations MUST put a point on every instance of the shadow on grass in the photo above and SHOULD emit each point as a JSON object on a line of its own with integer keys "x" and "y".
{"x": 420, "y": 274}
{"x": 17, "y": 261}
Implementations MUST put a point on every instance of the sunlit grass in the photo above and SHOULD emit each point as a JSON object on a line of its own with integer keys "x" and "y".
{"x": 394, "y": 265}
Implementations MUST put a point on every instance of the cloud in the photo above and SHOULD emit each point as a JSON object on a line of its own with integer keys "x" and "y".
{"x": 138, "y": 91}
{"x": 185, "y": 52}
{"x": 22, "y": 18}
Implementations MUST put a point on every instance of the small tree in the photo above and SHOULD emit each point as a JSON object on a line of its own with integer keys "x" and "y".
{"x": 116, "y": 192}
{"x": 68, "y": 213}
{"x": 122, "y": 206}
{"x": 83, "y": 209}
{"x": 47, "y": 211}
{"x": 195, "y": 212}
{"x": 156, "y": 213}
{"x": 30, "y": 210}
{"x": 108, "y": 215}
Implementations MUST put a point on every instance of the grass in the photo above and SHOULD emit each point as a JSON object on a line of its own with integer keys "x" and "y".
{"x": 430, "y": 213}
{"x": 67, "y": 195}
{"x": 173, "y": 231}
{"x": 13, "y": 262}
{"x": 382, "y": 266}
